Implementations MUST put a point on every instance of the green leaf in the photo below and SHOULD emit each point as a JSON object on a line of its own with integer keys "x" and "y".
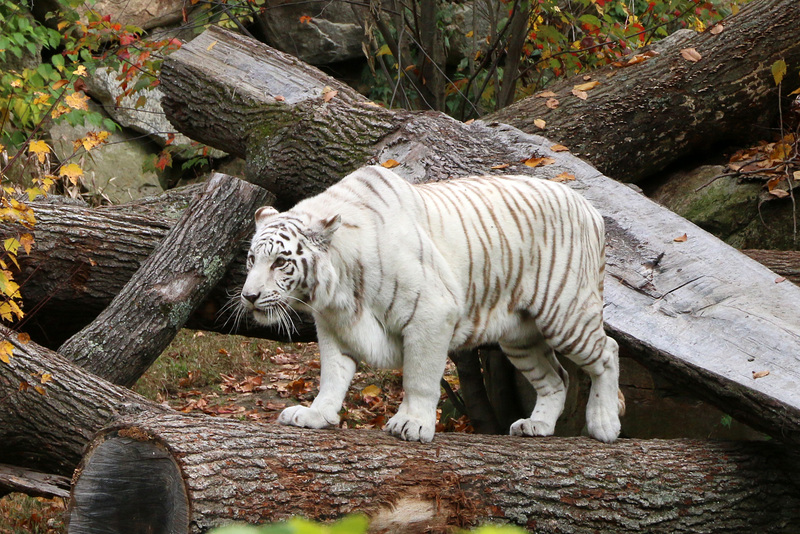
{"x": 778, "y": 71}
{"x": 590, "y": 19}
{"x": 353, "y": 524}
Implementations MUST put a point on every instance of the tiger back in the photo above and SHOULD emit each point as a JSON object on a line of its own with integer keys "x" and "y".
{"x": 397, "y": 275}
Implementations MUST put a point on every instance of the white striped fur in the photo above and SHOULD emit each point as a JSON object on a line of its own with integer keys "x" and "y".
{"x": 398, "y": 275}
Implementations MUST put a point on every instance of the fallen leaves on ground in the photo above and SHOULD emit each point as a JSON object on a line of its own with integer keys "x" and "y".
{"x": 291, "y": 377}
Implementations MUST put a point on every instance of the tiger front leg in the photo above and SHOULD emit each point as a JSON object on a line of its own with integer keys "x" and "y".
{"x": 424, "y": 359}
{"x": 336, "y": 373}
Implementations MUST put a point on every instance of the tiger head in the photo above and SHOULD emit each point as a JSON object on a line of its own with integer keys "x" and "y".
{"x": 288, "y": 264}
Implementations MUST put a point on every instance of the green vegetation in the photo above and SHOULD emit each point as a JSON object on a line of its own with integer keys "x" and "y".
{"x": 355, "y": 524}
{"x": 515, "y": 48}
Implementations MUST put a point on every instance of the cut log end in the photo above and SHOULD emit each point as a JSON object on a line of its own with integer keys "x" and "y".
{"x": 128, "y": 483}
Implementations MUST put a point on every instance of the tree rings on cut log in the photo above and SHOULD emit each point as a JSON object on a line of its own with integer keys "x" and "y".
{"x": 128, "y": 483}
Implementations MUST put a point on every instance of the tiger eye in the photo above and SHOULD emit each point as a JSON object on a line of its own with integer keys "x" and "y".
{"x": 279, "y": 262}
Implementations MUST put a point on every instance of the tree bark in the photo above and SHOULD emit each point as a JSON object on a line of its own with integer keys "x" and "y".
{"x": 128, "y": 336}
{"x": 30, "y": 482}
{"x": 721, "y": 99}
{"x": 785, "y": 263}
{"x": 48, "y": 431}
{"x": 201, "y": 472}
{"x": 697, "y": 310}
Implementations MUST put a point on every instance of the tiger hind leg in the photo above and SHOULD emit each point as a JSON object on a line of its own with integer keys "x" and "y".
{"x": 537, "y": 362}
{"x": 600, "y": 360}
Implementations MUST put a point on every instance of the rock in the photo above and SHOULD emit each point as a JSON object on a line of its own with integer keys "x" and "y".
{"x": 738, "y": 212}
{"x": 113, "y": 170}
{"x": 148, "y": 119}
{"x": 334, "y": 32}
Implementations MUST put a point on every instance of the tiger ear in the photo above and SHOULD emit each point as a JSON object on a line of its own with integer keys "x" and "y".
{"x": 324, "y": 228}
{"x": 263, "y": 213}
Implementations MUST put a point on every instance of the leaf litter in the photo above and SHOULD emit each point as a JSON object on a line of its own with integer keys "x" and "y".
{"x": 288, "y": 374}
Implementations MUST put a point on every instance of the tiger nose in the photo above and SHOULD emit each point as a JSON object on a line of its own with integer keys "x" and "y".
{"x": 250, "y": 297}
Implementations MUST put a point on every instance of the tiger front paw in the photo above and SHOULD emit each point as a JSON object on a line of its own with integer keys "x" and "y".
{"x": 307, "y": 417}
{"x": 412, "y": 428}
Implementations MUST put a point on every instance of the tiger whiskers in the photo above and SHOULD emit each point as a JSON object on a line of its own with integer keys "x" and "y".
{"x": 234, "y": 310}
{"x": 278, "y": 313}
{"x": 304, "y": 303}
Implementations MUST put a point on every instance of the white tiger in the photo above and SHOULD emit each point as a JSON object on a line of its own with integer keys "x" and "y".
{"x": 398, "y": 275}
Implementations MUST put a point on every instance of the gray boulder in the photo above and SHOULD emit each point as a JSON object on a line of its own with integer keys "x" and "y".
{"x": 334, "y": 32}
{"x": 113, "y": 170}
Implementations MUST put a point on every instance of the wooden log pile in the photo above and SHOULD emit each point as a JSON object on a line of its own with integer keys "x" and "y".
{"x": 698, "y": 311}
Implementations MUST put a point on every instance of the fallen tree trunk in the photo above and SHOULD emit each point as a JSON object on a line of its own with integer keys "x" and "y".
{"x": 724, "y": 98}
{"x": 195, "y": 473}
{"x": 50, "y": 409}
{"x": 698, "y": 310}
{"x": 127, "y": 337}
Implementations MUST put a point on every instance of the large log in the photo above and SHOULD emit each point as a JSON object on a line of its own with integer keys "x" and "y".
{"x": 48, "y": 429}
{"x": 783, "y": 262}
{"x": 727, "y": 97}
{"x": 128, "y": 336}
{"x": 196, "y": 473}
{"x": 698, "y": 310}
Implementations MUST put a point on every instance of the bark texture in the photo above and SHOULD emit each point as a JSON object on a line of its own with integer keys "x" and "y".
{"x": 699, "y": 311}
{"x": 785, "y": 263}
{"x": 48, "y": 431}
{"x": 721, "y": 99}
{"x": 140, "y": 322}
{"x": 30, "y": 482}
{"x": 233, "y": 470}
